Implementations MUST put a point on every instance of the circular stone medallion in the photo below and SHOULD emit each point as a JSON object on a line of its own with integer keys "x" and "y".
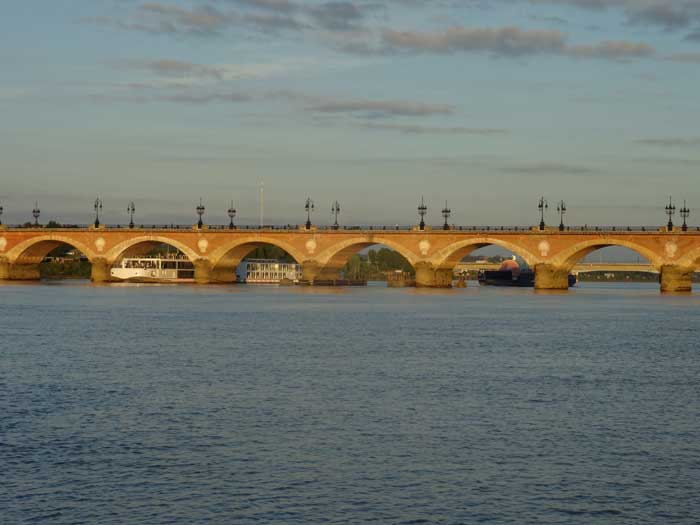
{"x": 311, "y": 246}
{"x": 424, "y": 247}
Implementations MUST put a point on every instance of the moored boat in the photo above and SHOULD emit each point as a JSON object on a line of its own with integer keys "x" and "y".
{"x": 268, "y": 271}
{"x": 153, "y": 270}
{"x": 510, "y": 274}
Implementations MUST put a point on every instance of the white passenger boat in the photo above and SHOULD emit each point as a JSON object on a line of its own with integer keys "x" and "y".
{"x": 268, "y": 271}
{"x": 153, "y": 269}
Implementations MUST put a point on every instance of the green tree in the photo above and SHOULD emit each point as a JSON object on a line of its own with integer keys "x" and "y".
{"x": 268, "y": 251}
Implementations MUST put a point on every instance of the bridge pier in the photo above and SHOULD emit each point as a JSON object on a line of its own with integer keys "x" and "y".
{"x": 428, "y": 276}
{"x": 224, "y": 272}
{"x": 19, "y": 272}
{"x": 202, "y": 271}
{"x": 312, "y": 271}
{"x": 101, "y": 271}
{"x": 549, "y": 277}
{"x": 676, "y": 279}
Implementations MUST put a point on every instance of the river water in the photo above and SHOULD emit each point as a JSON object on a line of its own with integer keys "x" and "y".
{"x": 148, "y": 404}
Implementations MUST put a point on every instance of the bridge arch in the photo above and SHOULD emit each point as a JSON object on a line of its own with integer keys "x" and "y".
{"x": 33, "y": 251}
{"x": 448, "y": 257}
{"x": 337, "y": 256}
{"x": 233, "y": 252}
{"x": 691, "y": 259}
{"x": 140, "y": 245}
{"x": 569, "y": 257}
{"x": 225, "y": 259}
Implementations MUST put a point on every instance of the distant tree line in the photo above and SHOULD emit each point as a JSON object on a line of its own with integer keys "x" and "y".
{"x": 65, "y": 262}
{"x": 50, "y": 224}
{"x": 375, "y": 265}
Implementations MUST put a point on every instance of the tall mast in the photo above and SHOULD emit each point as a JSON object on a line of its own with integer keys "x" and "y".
{"x": 262, "y": 204}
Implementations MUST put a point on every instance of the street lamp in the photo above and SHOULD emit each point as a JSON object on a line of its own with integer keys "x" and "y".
{"x": 446, "y": 212}
{"x": 542, "y": 206}
{"x": 0, "y": 215}
{"x": 335, "y": 211}
{"x": 670, "y": 211}
{"x": 422, "y": 210}
{"x": 561, "y": 210}
{"x": 309, "y": 207}
{"x": 685, "y": 212}
{"x": 35, "y": 213}
{"x": 200, "y": 212}
{"x": 131, "y": 209}
{"x": 98, "y": 207}
{"x": 231, "y": 215}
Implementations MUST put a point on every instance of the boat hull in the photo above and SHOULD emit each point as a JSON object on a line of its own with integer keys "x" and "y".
{"x": 153, "y": 280}
{"x": 526, "y": 279}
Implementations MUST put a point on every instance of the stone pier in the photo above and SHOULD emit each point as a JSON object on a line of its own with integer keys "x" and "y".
{"x": 101, "y": 271}
{"x": 202, "y": 271}
{"x": 428, "y": 276}
{"x": 549, "y": 277}
{"x": 676, "y": 279}
{"x": 19, "y": 272}
{"x": 224, "y": 272}
{"x": 312, "y": 272}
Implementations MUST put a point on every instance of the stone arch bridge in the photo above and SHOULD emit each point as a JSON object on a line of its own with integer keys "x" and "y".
{"x": 322, "y": 253}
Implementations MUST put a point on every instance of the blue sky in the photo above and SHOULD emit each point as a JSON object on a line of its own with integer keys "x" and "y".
{"x": 486, "y": 104}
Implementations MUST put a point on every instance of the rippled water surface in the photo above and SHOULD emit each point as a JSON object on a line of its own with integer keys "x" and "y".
{"x": 181, "y": 404}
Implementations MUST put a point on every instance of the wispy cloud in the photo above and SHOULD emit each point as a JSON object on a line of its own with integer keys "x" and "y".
{"x": 688, "y": 58}
{"x": 511, "y": 41}
{"x": 415, "y": 129}
{"x": 205, "y": 98}
{"x": 209, "y": 19}
{"x": 180, "y": 74}
{"x": 179, "y": 68}
{"x": 612, "y": 50}
{"x": 205, "y": 20}
{"x": 378, "y": 108}
{"x": 548, "y": 168}
{"x": 671, "y": 142}
{"x": 668, "y": 14}
{"x": 338, "y": 16}
{"x": 346, "y": 24}
{"x": 173, "y": 19}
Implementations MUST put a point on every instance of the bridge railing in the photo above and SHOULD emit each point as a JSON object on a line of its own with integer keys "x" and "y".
{"x": 395, "y": 227}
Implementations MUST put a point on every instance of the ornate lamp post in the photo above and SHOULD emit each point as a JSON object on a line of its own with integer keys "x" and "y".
{"x": 231, "y": 215}
{"x": 131, "y": 209}
{"x": 200, "y": 211}
{"x": 561, "y": 210}
{"x": 35, "y": 213}
{"x": 98, "y": 208}
{"x": 335, "y": 211}
{"x": 670, "y": 211}
{"x": 446, "y": 212}
{"x": 685, "y": 212}
{"x": 422, "y": 210}
{"x": 309, "y": 207}
{"x": 542, "y": 206}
